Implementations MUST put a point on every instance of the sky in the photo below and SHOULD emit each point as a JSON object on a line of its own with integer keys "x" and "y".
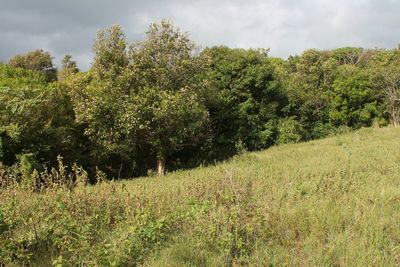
{"x": 287, "y": 27}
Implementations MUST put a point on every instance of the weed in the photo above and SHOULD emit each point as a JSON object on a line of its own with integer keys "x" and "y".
{"x": 332, "y": 202}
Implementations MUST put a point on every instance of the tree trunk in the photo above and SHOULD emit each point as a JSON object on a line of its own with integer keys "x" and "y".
{"x": 161, "y": 166}
{"x": 395, "y": 118}
{"x": 396, "y": 123}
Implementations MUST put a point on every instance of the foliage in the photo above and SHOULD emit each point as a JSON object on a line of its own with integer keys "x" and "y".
{"x": 110, "y": 53}
{"x": 388, "y": 83}
{"x": 166, "y": 121}
{"x": 354, "y": 102}
{"x": 166, "y": 60}
{"x": 290, "y": 131}
{"x": 158, "y": 108}
{"x": 162, "y": 101}
{"x": 38, "y": 60}
{"x": 36, "y": 118}
{"x": 334, "y": 88}
{"x": 244, "y": 98}
{"x": 322, "y": 203}
{"x": 68, "y": 68}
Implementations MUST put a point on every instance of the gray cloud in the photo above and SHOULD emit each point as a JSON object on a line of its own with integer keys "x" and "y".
{"x": 284, "y": 26}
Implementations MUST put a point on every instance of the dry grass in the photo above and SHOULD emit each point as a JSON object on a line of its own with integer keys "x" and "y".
{"x": 332, "y": 202}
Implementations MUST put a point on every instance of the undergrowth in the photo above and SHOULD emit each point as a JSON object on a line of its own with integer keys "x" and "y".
{"x": 332, "y": 202}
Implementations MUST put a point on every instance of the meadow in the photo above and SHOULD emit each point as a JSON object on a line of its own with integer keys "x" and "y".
{"x": 330, "y": 202}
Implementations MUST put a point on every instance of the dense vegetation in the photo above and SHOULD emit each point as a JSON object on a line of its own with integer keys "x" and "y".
{"x": 331, "y": 202}
{"x": 163, "y": 102}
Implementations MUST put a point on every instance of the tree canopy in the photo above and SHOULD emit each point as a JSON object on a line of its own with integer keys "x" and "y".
{"x": 164, "y": 103}
{"x": 38, "y": 60}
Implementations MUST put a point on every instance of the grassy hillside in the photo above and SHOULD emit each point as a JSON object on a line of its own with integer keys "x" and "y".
{"x": 333, "y": 202}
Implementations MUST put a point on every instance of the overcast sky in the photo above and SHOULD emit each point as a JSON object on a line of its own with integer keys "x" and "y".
{"x": 285, "y": 26}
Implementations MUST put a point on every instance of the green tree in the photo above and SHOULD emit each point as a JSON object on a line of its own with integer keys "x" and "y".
{"x": 68, "y": 68}
{"x": 36, "y": 117}
{"x": 349, "y": 55}
{"x": 165, "y": 60}
{"x": 98, "y": 106}
{"x": 331, "y": 88}
{"x": 289, "y": 131}
{"x": 146, "y": 98}
{"x": 244, "y": 97}
{"x": 99, "y": 96}
{"x": 353, "y": 100}
{"x": 387, "y": 72}
{"x": 163, "y": 68}
{"x": 309, "y": 78}
{"x": 38, "y": 60}
{"x": 167, "y": 121}
{"x": 110, "y": 49}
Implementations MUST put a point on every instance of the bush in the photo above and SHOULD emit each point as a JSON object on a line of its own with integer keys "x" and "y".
{"x": 321, "y": 130}
{"x": 28, "y": 164}
{"x": 28, "y": 174}
{"x": 290, "y": 131}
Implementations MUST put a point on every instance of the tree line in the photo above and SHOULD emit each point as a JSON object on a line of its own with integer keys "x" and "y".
{"x": 164, "y": 103}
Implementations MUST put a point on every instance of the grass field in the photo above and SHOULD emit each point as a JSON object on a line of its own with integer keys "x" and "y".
{"x": 332, "y": 202}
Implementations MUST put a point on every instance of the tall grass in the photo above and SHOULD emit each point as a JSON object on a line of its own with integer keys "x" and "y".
{"x": 332, "y": 202}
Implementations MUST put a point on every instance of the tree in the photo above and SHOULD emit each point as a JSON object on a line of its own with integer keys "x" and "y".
{"x": 289, "y": 131}
{"x": 36, "y": 117}
{"x": 38, "y": 60}
{"x": 164, "y": 66}
{"x": 348, "y": 55}
{"x": 98, "y": 106}
{"x": 165, "y": 60}
{"x": 145, "y": 98}
{"x": 389, "y": 83}
{"x": 392, "y": 93}
{"x": 309, "y": 78}
{"x": 68, "y": 68}
{"x": 333, "y": 88}
{"x": 99, "y": 96}
{"x": 244, "y": 98}
{"x": 110, "y": 53}
{"x": 167, "y": 121}
{"x": 312, "y": 73}
{"x": 352, "y": 99}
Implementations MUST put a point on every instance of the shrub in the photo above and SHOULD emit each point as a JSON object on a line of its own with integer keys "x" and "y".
{"x": 28, "y": 174}
{"x": 290, "y": 131}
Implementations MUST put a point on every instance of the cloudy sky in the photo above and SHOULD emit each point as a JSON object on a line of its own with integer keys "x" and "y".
{"x": 285, "y": 26}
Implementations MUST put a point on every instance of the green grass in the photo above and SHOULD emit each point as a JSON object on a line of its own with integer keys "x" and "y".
{"x": 332, "y": 202}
